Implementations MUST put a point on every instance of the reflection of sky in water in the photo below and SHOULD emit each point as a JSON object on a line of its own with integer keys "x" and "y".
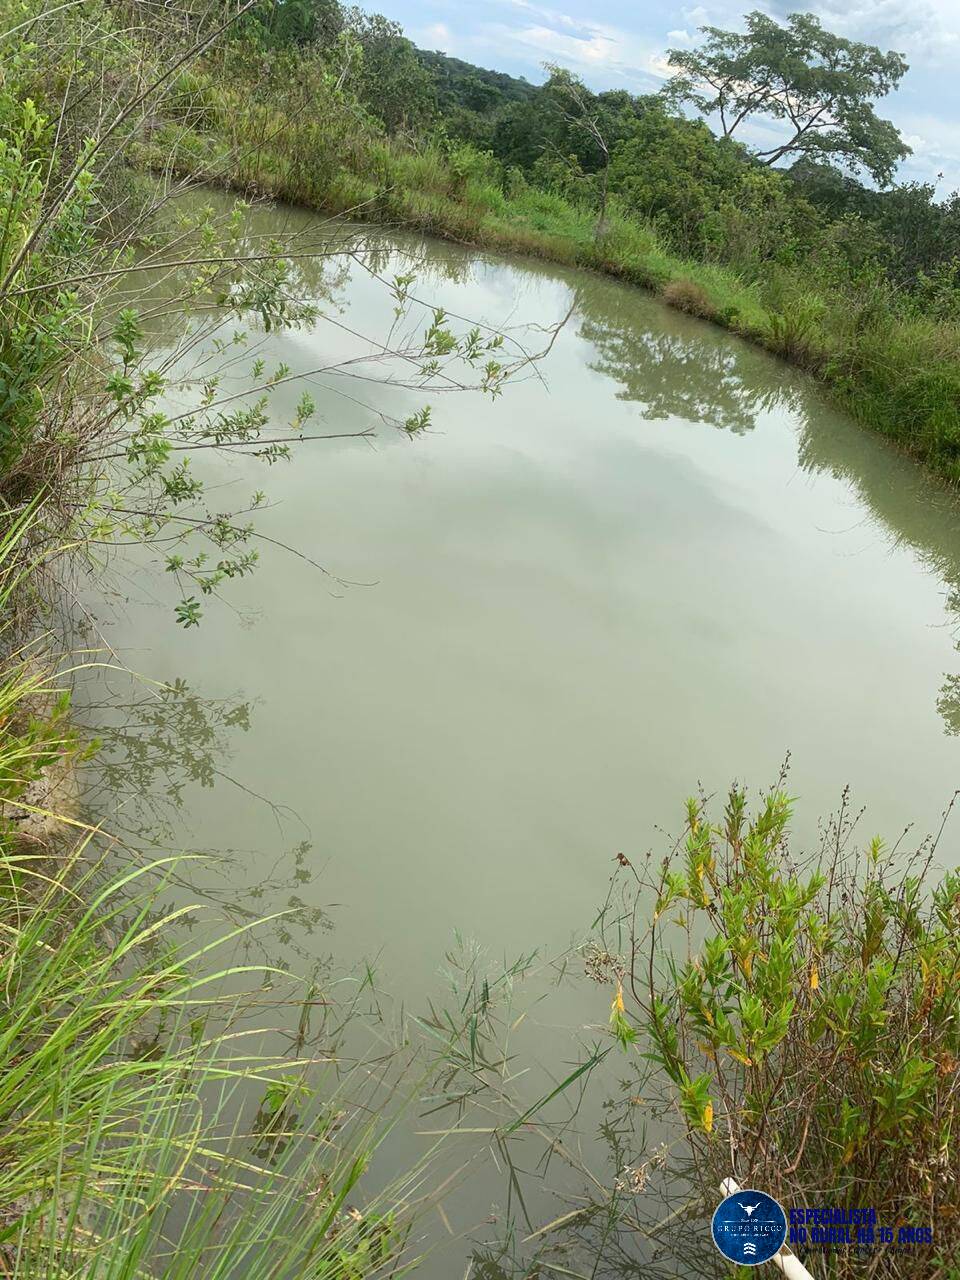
{"x": 585, "y": 601}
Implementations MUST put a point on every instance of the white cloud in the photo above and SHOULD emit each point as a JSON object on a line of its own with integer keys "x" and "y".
{"x": 551, "y": 17}
{"x": 603, "y": 54}
{"x": 936, "y": 149}
{"x": 438, "y": 36}
{"x": 927, "y": 32}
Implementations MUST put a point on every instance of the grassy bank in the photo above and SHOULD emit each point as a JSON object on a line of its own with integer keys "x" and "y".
{"x": 893, "y": 367}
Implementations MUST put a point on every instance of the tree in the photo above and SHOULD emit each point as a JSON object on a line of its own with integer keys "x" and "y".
{"x": 392, "y": 81}
{"x": 820, "y": 85}
{"x": 579, "y": 110}
{"x": 298, "y": 22}
{"x": 922, "y": 234}
{"x": 676, "y": 172}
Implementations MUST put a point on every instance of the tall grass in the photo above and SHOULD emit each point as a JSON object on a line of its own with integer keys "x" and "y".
{"x": 145, "y": 1129}
{"x": 132, "y": 1139}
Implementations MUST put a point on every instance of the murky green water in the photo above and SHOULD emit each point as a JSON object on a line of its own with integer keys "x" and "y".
{"x": 665, "y": 561}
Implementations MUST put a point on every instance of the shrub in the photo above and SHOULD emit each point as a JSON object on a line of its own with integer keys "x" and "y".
{"x": 805, "y": 1018}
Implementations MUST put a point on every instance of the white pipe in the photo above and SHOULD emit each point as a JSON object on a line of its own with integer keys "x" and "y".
{"x": 788, "y": 1262}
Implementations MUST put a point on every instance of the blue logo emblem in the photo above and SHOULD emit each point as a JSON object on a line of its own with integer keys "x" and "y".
{"x": 749, "y": 1227}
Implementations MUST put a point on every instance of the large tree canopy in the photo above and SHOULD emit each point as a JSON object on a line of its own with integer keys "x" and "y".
{"x": 820, "y": 86}
{"x": 391, "y": 79}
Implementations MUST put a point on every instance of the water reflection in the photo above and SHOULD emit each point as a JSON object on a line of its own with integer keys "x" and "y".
{"x": 186, "y": 282}
{"x": 376, "y": 251}
{"x": 636, "y": 1213}
{"x": 682, "y": 368}
{"x": 671, "y": 366}
{"x": 911, "y": 508}
{"x": 155, "y": 743}
{"x": 685, "y": 370}
{"x": 152, "y": 748}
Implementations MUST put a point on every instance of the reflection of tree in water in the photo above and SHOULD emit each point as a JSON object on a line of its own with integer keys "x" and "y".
{"x": 431, "y": 261}
{"x": 321, "y": 255}
{"x": 166, "y": 739}
{"x": 911, "y": 508}
{"x": 948, "y": 703}
{"x": 676, "y": 367}
{"x": 152, "y": 748}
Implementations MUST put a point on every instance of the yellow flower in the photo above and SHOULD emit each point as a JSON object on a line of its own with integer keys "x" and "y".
{"x": 708, "y": 1117}
{"x": 618, "y": 1000}
{"x": 814, "y": 978}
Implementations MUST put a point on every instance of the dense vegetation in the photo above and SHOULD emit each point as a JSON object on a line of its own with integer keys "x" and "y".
{"x": 804, "y": 1014}
{"x": 120, "y": 1054}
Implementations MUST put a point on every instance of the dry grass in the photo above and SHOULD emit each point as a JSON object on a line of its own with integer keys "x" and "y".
{"x": 690, "y": 297}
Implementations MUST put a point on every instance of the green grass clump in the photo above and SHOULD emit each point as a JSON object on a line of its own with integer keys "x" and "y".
{"x": 132, "y": 1139}
{"x": 904, "y": 379}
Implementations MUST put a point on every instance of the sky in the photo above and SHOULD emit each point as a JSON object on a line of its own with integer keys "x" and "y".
{"x": 621, "y": 44}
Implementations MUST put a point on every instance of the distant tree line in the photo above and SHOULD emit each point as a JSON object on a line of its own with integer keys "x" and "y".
{"x": 704, "y": 188}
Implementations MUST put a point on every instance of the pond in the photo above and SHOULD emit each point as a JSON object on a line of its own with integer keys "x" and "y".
{"x": 660, "y": 560}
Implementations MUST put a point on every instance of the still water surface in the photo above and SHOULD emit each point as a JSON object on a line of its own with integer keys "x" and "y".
{"x": 664, "y": 560}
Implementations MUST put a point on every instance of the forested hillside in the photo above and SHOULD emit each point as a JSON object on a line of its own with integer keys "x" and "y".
{"x": 664, "y": 166}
